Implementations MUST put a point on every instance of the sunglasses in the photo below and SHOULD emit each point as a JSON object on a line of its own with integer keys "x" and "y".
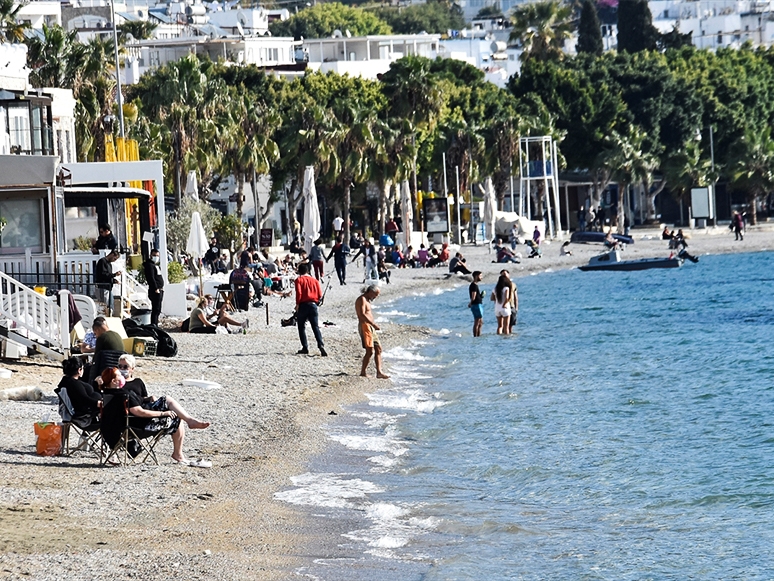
{"x": 124, "y": 367}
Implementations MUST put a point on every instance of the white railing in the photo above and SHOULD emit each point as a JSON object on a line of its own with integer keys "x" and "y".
{"x": 40, "y": 316}
{"x": 134, "y": 290}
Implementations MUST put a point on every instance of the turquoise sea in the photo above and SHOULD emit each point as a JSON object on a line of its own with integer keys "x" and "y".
{"x": 625, "y": 431}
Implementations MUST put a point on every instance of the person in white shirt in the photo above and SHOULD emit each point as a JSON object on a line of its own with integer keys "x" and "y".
{"x": 338, "y": 224}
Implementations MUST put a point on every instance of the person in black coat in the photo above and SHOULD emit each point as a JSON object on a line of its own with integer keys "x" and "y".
{"x": 86, "y": 402}
{"x": 105, "y": 278}
{"x": 106, "y": 240}
{"x": 155, "y": 282}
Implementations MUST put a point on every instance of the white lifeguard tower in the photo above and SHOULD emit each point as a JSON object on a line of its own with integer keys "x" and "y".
{"x": 538, "y": 163}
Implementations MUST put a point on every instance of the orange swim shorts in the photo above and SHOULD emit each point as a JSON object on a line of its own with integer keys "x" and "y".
{"x": 368, "y": 336}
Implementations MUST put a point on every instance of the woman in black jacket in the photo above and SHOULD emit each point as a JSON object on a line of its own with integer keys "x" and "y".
{"x": 85, "y": 400}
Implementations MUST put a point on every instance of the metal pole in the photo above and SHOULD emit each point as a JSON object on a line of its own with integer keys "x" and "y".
{"x": 714, "y": 181}
{"x": 521, "y": 181}
{"x": 458, "y": 204}
{"x": 510, "y": 178}
{"x": 118, "y": 71}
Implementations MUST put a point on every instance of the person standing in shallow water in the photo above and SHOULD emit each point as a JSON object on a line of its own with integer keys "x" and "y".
{"x": 476, "y": 304}
{"x": 368, "y": 328}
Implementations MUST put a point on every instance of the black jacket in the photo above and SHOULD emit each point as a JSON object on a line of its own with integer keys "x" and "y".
{"x": 82, "y": 396}
{"x": 153, "y": 276}
{"x": 103, "y": 273}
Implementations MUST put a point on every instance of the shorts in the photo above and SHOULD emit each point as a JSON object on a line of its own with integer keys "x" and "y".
{"x": 368, "y": 336}
{"x": 502, "y": 310}
{"x": 477, "y": 310}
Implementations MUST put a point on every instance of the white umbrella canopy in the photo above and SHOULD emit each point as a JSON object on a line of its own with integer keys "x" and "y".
{"x": 490, "y": 207}
{"x": 192, "y": 185}
{"x": 197, "y": 244}
{"x": 311, "y": 210}
{"x": 407, "y": 211}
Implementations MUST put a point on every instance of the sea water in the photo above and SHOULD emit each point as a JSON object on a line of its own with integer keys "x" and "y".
{"x": 624, "y": 431}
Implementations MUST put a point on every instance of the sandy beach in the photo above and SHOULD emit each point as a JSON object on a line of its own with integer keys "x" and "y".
{"x": 68, "y": 518}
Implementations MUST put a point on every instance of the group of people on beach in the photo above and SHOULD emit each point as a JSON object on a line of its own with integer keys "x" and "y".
{"x": 505, "y": 297}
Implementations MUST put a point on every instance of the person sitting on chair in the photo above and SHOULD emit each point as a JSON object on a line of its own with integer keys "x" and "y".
{"x": 610, "y": 241}
{"x": 113, "y": 379}
{"x": 85, "y": 400}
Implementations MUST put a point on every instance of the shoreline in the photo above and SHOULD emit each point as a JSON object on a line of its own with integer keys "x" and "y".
{"x": 68, "y": 518}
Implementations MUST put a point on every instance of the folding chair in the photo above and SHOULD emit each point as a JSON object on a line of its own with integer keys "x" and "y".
{"x": 127, "y": 441}
{"x": 85, "y": 428}
{"x": 224, "y": 296}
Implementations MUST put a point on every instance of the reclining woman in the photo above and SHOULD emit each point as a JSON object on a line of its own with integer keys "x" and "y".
{"x": 205, "y": 319}
{"x": 147, "y": 408}
{"x": 85, "y": 400}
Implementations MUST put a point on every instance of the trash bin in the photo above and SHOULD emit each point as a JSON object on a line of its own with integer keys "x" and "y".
{"x": 141, "y": 316}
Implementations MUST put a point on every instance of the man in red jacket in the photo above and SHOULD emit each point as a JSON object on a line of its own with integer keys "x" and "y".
{"x": 308, "y": 295}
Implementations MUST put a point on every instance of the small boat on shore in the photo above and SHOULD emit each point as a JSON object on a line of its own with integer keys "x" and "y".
{"x": 612, "y": 261}
{"x": 597, "y": 238}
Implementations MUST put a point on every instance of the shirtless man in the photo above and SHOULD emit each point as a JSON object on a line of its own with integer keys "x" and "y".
{"x": 367, "y": 328}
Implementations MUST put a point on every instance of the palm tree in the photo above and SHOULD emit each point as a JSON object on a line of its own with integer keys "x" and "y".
{"x": 752, "y": 165}
{"x": 53, "y": 58}
{"x": 249, "y": 147}
{"x": 628, "y": 163}
{"x": 11, "y": 30}
{"x": 412, "y": 93}
{"x": 393, "y": 160}
{"x": 542, "y": 28}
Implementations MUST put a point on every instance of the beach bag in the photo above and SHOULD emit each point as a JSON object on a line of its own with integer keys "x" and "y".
{"x": 289, "y": 322}
{"x": 49, "y": 439}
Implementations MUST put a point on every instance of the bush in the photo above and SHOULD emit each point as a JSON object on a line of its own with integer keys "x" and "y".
{"x": 83, "y": 243}
{"x": 175, "y": 272}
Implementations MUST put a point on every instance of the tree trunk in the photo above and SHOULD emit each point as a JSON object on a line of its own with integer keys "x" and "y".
{"x": 619, "y": 219}
{"x": 753, "y": 210}
{"x": 240, "y": 194}
{"x": 650, "y": 200}
{"x": 384, "y": 197}
{"x": 347, "y": 208}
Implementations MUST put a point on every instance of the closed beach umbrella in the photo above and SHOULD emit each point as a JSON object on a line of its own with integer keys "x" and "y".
{"x": 192, "y": 185}
{"x": 197, "y": 244}
{"x": 311, "y": 210}
{"x": 407, "y": 211}
{"x": 490, "y": 206}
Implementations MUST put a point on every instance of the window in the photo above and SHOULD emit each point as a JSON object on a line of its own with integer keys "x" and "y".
{"x": 154, "y": 58}
{"x": 19, "y": 128}
{"x": 24, "y": 226}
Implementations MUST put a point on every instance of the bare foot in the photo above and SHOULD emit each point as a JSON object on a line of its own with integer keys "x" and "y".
{"x": 382, "y": 376}
{"x": 365, "y": 375}
{"x": 197, "y": 425}
{"x": 181, "y": 460}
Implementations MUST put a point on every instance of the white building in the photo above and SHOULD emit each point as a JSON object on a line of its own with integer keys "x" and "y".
{"x": 366, "y": 56}
{"x": 40, "y": 12}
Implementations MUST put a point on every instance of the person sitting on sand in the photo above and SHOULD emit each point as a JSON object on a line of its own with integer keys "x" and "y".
{"x": 113, "y": 379}
{"x": 423, "y": 256}
{"x": 666, "y": 234}
{"x": 565, "y": 249}
{"x": 610, "y": 241}
{"x": 367, "y": 328}
{"x": 505, "y": 254}
{"x": 85, "y": 400}
{"x": 457, "y": 264}
{"x": 204, "y": 321}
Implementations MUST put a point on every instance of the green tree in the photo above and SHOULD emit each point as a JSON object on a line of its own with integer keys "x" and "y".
{"x": 635, "y": 27}
{"x": 493, "y": 11}
{"x": 138, "y": 29}
{"x": 589, "y": 30}
{"x": 179, "y": 223}
{"x": 542, "y": 28}
{"x": 752, "y": 165}
{"x": 230, "y": 231}
{"x": 11, "y": 30}
{"x": 322, "y": 19}
{"x": 433, "y": 17}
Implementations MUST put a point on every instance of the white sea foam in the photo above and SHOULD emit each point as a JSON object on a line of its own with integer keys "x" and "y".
{"x": 393, "y": 528}
{"x": 371, "y": 443}
{"x": 327, "y": 490}
{"x": 415, "y": 400}
{"x": 403, "y": 353}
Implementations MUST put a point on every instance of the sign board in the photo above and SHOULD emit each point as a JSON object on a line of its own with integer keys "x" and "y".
{"x": 267, "y": 238}
{"x": 436, "y": 215}
{"x": 703, "y": 202}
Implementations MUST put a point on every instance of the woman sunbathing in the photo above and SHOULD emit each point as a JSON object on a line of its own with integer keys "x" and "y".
{"x": 148, "y": 408}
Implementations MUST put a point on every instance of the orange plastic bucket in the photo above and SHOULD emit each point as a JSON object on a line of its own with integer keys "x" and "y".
{"x": 49, "y": 439}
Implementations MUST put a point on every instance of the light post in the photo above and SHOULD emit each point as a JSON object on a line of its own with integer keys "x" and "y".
{"x": 119, "y": 96}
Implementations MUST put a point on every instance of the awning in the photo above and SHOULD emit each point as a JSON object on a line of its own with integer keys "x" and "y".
{"x": 106, "y": 193}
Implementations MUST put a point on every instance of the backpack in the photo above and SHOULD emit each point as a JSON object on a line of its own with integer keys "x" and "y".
{"x": 166, "y": 347}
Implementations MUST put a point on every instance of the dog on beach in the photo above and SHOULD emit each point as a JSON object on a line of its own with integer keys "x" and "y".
{"x": 25, "y": 393}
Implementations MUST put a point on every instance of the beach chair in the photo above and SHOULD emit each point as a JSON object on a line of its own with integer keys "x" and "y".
{"x": 224, "y": 296}
{"x": 128, "y": 440}
{"x": 85, "y": 428}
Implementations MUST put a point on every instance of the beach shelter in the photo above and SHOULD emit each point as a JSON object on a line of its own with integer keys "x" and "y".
{"x": 197, "y": 245}
{"x": 312, "y": 220}
{"x": 406, "y": 212}
{"x": 192, "y": 185}
{"x": 490, "y": 207}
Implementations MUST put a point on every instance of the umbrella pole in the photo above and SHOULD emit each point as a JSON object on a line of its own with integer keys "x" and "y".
{"x": 201, "y": 282}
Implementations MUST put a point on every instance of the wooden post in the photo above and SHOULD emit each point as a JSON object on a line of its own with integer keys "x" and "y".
{"x": 267, "y": 312}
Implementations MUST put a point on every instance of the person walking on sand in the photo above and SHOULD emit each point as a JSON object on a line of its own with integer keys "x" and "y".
{"x": 737, "y": 223}
{"x": 368, "y": 328}
{"x": 308, "y": 296}
{"x": 476, "y": 304}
